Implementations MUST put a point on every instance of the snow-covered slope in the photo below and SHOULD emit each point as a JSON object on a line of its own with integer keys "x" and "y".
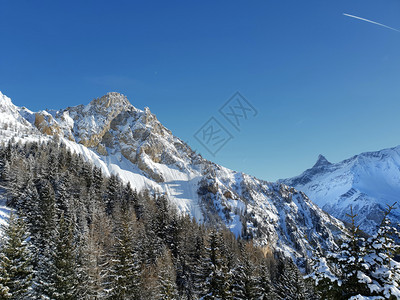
{"x": 121, "y": 139}
{"x": 4, "y": 214}
{"x": 367, "y": 182}
{"x": 4, "y": 211}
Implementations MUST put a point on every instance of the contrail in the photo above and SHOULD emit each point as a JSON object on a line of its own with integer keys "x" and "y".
{"x": 369, "y": 21}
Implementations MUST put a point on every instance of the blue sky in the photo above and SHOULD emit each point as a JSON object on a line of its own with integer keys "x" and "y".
{"x": 320, "y": 82}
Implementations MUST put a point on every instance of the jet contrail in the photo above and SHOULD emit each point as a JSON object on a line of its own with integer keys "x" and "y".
{"x": 369, "y": 21}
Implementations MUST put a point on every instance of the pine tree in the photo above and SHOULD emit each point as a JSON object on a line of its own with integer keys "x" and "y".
{"x": 324, "y": 275}
{"x": 16, "y": 270}
{"x": 28, "y": 204}
{"x": 63, "y": 194}
{"x": 360, "y": 267}
{"x": 383, "y": 274}
{"x": 245, "y": 278}
{"x": 87, "y": 175}
{"x": 152, "y": 242}
{"x": 50, "y": 172}
{"x": 162, "y": 219}
{"x": 167, "y": 288}
{"x": 350, "y": 262}
{"x": 217, "y": 276}
{"x": 125, "y": 269}
{"x": 5, "y": 172}
{"x": 290, "y": 283}
{"x": 4, "y": 292}
{"x": 192, "y": 261}
{"x": 112, "y": 193}
{"x": 265, "y": 288}
{"x": 65, "y": 268}
{"x": 97, "y": 244}
{"x": 43, "y": 239}
{"x": 190, "y": 253}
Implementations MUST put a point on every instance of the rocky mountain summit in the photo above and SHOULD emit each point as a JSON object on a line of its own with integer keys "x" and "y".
{"x": 131, "y": 143}
{"x": 111, "y": 125}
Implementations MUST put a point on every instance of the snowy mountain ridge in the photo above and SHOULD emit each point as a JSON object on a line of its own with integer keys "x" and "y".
{"x": 367, "y": 182}
{"x": 10, "y": 116}
{"x": 119, "y": 138}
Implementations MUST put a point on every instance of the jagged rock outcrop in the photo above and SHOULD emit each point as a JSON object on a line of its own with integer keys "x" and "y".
{"x": 46, "y": 124}
{"x": 92, "y": 122}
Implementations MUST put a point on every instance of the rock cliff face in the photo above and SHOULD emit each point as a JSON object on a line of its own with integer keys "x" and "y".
{"x": 132, "y": 143}
{"x": 46, "y": 124}
{"x": 92, "y": 122}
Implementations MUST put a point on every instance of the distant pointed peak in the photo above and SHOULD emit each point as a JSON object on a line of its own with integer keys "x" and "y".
{"x": 321, "y": 161}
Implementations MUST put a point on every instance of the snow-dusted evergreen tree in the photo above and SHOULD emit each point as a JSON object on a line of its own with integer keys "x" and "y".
{"x": 327, "y": 283}
{"x": 360, "y": 268}
{"x": 16, "y": 270}
{"x": 290, "y": 282}
{"x": 245, "y": 284}
{"x": 28, "y": 206}
{"x": 87, "y": 174}
{"x": 151, "y": 239}
{"x": 4, "y": 292}
{"x": 5, "y": 172}
{"x": 165, "y": 224}
{"x": 123, "y": 278}
{"x": 167, "y": 288}
{"x": 51, "y": 167}
{"x": 337, "y": 276}
{"x": 43, "y": 239}
{"x": 383, "y": 275}
{"x": 65, "y": 276}
{"x": 265, "y": 288}
{"x": 15, "y": 180}
{"x": 112, "y": 193}
{"x": 217, "y": 276}
{"x": 98, "y": 243}
{"x": 350, "y": 261}
{"x": 190, "y": 275}
{"x": 63, "y": 194}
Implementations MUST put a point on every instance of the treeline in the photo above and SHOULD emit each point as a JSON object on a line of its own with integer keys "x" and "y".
{"x": 77, "y": 234}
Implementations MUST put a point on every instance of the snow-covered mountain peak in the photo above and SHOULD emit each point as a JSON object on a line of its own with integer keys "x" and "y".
{"x": 4, "y": 100}
{"x": 11, "y": 121}
{"x": 110, "y": 125}
{"x": 365, "y": 182}
{"x": 321, "y": 162}
{"x": 85, "y": 124}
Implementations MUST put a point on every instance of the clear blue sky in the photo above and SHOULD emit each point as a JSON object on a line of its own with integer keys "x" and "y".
{"x": 321, "y": 82}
